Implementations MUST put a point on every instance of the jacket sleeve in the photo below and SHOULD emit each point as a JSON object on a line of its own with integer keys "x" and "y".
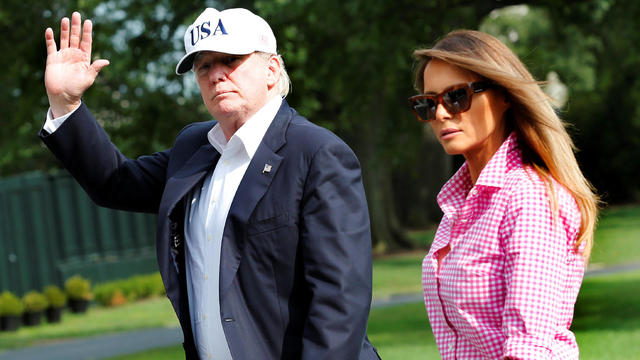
{"x": 336, "y": 241}
{"x": 111, "y": 179}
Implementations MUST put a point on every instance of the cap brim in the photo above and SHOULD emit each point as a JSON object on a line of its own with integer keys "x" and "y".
{"x": 186, "y": 63}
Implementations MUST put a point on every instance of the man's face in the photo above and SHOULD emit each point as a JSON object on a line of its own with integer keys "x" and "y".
{"x": 233, "y": 87}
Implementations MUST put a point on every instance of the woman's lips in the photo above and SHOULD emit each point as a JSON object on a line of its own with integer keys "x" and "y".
{"x": 449, "y": 133}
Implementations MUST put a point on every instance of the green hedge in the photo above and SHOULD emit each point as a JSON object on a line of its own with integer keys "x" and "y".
{"x": 118, "y": 292}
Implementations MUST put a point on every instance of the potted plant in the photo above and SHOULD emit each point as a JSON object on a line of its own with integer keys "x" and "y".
{"x": 34, "y": 305}
{"x": 57, "y": 300}
{"x": 79, "y": 292}
{"x": 11, "y": 309}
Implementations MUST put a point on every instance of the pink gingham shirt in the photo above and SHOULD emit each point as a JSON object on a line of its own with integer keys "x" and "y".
{"x": 509, "y": 284}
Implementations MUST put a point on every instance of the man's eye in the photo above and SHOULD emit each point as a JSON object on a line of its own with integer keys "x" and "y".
{"x": 230, "y": 60}
{"x": 202, "y": 68}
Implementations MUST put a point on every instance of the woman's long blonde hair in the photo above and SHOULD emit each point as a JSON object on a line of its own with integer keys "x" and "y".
{"x": 545, "y": 143}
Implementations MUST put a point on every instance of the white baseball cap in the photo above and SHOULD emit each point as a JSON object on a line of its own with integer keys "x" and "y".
{"x": 232, "y": 31}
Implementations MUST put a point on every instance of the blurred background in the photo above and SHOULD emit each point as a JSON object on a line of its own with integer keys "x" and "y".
{"x": 352, "y": 71}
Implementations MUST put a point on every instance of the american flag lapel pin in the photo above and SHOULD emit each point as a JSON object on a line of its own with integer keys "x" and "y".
{"x": 267, "y": 168}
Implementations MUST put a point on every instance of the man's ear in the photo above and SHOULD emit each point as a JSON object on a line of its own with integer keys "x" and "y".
{"x": 273, "y": 71}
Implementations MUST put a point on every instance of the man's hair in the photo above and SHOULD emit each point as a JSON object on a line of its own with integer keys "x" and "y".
{"x": 284, "y": 83}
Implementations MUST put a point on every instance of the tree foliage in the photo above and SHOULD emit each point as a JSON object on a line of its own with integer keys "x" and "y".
{"x": 352, "y": 71}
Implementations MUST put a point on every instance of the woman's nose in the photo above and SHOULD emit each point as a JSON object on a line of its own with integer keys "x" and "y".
{"x": 442, "y": 113}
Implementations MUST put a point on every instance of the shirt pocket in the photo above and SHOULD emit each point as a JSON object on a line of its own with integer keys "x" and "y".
{"x": 268, "y": 224}
{"x": 480, "y": 278}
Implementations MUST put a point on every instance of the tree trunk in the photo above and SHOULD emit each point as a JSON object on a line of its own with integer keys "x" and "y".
{"x": 387, "y": 232}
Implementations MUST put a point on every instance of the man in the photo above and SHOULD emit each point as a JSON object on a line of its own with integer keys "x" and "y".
{"x": 263, "y": 232}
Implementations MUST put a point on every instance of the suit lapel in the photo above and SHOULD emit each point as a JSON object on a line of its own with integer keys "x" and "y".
{"x": 178, "y": 185}
{"x": 261, "y": 171}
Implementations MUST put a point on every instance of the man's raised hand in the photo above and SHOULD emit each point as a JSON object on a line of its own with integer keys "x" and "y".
{"x": 69, "y": 71}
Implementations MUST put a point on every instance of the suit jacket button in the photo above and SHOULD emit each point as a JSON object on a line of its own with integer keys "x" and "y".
{"x": 229, "y": 320}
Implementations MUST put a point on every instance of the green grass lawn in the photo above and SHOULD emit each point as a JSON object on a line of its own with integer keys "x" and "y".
{"x": 617, "y": 239}
{"x": 606, "y": 322}
{"x": 151, "y": 313}
{"x": 397, "y": 274}
{"x": 607, "y": 317}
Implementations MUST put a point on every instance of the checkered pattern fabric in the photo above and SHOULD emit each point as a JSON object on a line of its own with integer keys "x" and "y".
{"x": 508, "y": 286}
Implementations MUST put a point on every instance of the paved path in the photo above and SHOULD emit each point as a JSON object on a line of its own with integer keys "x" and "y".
{"x": 100, "y": 347}
{"x": 107, "y": 346}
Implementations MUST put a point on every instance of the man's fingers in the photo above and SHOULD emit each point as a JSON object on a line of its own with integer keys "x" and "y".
{"x": 85, "y": 45}
{"x": 99, "y": 64}
{"x": 74, "y": 41}
{"x": 64, "y": 33}
{"x": 49, "y": 41}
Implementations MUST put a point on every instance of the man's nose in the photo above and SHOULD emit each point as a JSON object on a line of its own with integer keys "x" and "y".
{"x": 217, "y": 72}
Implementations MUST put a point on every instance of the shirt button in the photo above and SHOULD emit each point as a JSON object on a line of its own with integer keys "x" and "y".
{"x": 463, "y": 220}
{"x": 204, "y": 316}
{"x": 206, "y": 277}
{"x": 450, "y": 346}
{"x": 474, "y": 192}
{"x": 209, "y": 237}
{"x": 208, "y": 356}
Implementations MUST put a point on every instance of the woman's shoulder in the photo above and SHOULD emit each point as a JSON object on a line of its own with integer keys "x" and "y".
{"x": 529, "y": 190}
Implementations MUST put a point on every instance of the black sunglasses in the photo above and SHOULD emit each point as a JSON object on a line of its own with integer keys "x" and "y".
{"x": 456, "y": 99}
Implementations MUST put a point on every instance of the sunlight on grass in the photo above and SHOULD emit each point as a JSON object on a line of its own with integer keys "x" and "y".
{"x": 398, "y": 274}
{"x": 607, "y": 317}
{"x": 606, "y": 325}
{"x": 402, "y": 332}
{"x": 151, "y": 313}
{"x": 617, "y": 239}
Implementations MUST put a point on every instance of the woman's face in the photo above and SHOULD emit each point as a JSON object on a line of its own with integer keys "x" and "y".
{"x": 476, "y": 133}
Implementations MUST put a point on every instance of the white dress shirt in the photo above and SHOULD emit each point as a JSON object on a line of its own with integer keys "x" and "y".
{"x": 205, "y": 218}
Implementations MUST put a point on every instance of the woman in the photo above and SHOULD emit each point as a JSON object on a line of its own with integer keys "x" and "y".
{"x": 502, "y": 275}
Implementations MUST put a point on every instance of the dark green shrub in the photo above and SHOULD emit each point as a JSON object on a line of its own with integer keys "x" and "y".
{"x": 109, "y": 294}
{"x": 10, "y": 304}
{"x": 34, "y": 301}
{"x": 78, "y": 288}
{"x": 137, "y": 287}
{"x": 56, "y": 297}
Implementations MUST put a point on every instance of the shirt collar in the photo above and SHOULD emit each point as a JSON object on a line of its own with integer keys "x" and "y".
{"x": 507, "y": 156}
{"x": 250, "y": 134}
{"x": 455, "y": 190}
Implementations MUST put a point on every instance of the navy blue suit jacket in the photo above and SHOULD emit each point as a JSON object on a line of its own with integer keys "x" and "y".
{"x": 295, "y": 271}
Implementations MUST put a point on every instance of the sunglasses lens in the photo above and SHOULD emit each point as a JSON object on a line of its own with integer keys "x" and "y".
{"x": 425, "y": 108}
{"x": 456, "y": 101}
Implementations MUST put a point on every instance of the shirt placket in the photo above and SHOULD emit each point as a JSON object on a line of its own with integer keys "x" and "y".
{"x": 461, "y": 223}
